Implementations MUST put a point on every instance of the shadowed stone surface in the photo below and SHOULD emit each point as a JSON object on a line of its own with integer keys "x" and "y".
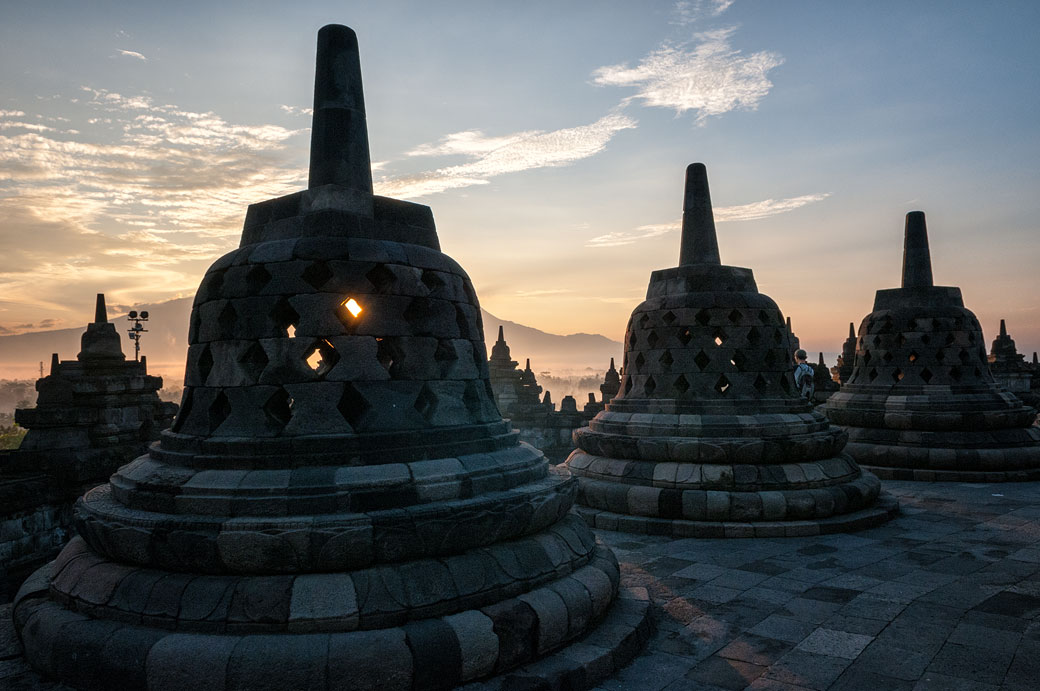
{"x": 707, "y": 436}
{"x": 921, "y": 403}
{"x": 339, "y": 503}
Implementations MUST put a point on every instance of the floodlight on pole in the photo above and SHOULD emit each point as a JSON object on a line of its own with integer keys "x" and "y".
{"x": 136, "y": 330}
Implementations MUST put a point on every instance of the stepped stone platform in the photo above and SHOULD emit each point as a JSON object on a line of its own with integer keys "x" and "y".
{"x": 946, "y": 596}
{"x": 339, "y": 502}
{"x": 708, "y": 436}
{"x": 921, "y": 403}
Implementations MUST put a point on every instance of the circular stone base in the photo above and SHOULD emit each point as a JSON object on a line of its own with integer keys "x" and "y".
{"x": 929, "y": 475}
{"x": 433, "y": 653}
{"x": 885, "y": 508}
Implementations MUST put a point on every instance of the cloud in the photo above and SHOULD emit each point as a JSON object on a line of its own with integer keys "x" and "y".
{"x": 494, "y": 156}
{"x": 722, "y": 214}
{"x": 689, "y": 11}
{"x": 294, "y": 110}
{"x": 137, "y": 204}
{"x": 712, "y": 78}
{"x": 131, "y": 54}
{"x": 542, "y": 292}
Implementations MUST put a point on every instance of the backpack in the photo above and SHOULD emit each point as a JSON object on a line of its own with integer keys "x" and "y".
{"x": 803, "y": 379}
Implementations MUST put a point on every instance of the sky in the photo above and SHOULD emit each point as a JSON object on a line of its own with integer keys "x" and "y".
{"x": 550, "y": 139}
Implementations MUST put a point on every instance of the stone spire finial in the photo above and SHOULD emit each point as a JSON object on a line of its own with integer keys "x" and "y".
{"x": 339, "y": 131}
{"x": 527, "y": 366}
{"x": 852, "y": 330}
{"x": 54, "y": 364}
{"x": 821, "y": 360}
{"x": 501, "y": 333}
{"x": 611, "y": 364}
{"x": 917, "y": 260}
{"x": 699, "y": 244}
{"x": 1003, "y": 329}
{"x": 100, "y": 313}
{"x": 1035, "y": 362}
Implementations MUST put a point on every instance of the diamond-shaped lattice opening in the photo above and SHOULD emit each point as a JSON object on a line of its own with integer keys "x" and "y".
{"x": 877, "y": 341}
{"x": 652, "y": 338}
{"x": 426, "y": 403}
{"x": 666, "y": 359}
{"x": 219, "y": 410}
{"x": 955, "y": 373}
{"x": 902, "y": 339}
{"x": 681, "y": 385}
{"x": 205, "y": 364}
{"x": 387, "y": 354}
{"x": 913, "y": 356}
{"x": 465, "y": 330}
{"x": 445, "y": 352}
{"x": 254, "y": 360}
{"x": 669, "y": 318}
{"x": 739, "y": 360}
{"x": 381, "y": 278}
{"x": 285, "y": 318}
{"x": 872, "y": 375}
{"x": 769, "y": 359}
{"x": 887, "y": 357}
{"x": 650, "y": 386}
{"x": 926, "y": 339}
{"x": 185, "y": 410}
{"x": 898, "y": 375}
{"x": 317, "y": 274}
{"x": 911, "y": 325}
{"x": 703, "y": 317}
{"x": 940, "y": 355}
{"x": 886, "y": 325}
{"x": 735, "y": 316}
{"x": 753, "y": 335}
{"x": 760, "y": 384}
{"x": 719, "y": 337}
{"x": 640, "y": 361}
{"x": 685, "y": 335}
{"x": 950, "y": 339}
{"x": 964, "y": 356}
{"x": 644, "y": 320}
{"x": 227, "y": 319}
{"x": 866, "y": 357}
{"x": 257, "y": 278}
{"x": 321, "y": 357}
{"x": 702, "y": 360}
{"x": 628, "y": 384}
{"x": 926, "y": 375}
{"x": 415, "y": 314}
{"x": 722, "y": 384}
{"x": 971, "y": 337}
{"x": 763, "y": 317}
{"x": 278, "y": 408}
{"x": 958, "y": 322}
{"x": 352, "y": 405}
{"x": 431, "y": 280}
{"x": 632, "y": 339}
{"x": 778, "y": 337}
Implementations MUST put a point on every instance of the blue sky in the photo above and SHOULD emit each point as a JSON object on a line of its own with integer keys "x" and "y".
{"x": 550, "y": 140}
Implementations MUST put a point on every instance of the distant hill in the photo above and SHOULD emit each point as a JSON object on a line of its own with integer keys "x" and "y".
{"x": 165, "y": 344}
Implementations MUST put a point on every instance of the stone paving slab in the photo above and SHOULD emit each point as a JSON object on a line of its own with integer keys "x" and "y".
{"x": 945, "y": 596}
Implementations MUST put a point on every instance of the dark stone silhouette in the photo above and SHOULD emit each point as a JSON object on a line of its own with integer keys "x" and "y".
{"x": 339, "y": 503}
{"x": 708, "y": 436}
{"x": 921, "y": 403}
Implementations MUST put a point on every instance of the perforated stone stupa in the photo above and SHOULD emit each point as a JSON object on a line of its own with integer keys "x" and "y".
{"x": 921, "y": 403}
{"x": 339, "y": 503}
{"x": 708, "y": 436}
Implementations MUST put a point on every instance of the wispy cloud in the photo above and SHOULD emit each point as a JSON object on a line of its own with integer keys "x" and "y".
{"x": 742, "y": 212}
{"x": 494, "y": 156}
{"x": 295, "y": 110}
{"x": 710, "y": 78}
{"x": 689, "y": 11}
{"x": 542, "y": 292}
{"x": 131, "y": 54}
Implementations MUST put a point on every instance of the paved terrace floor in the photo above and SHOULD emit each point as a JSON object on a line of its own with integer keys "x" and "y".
{"x": 946, "y": 596}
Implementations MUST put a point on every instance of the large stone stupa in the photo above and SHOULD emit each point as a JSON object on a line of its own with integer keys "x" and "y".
{"x": 708, "y": 436}
{"x": 921, "y": 403}
{"x": 339, "y": 503}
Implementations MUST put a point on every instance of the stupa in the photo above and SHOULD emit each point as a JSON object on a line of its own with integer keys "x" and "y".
{"x": 921, "y": 403}
{"x": 1009, "y": 367}
{"x": 708, "y": 436}
{"x": 339, "y": 503}
{"x": 847, "y": 358}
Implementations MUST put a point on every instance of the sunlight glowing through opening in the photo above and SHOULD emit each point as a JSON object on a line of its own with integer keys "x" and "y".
{"x": 314, "y": 360}
{"x": 290, "y": 331}
{"x": 352, "y": 306}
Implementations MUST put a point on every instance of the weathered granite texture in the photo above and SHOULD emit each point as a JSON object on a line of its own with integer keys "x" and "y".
{"x": 708, "y": 436}
{"x": 93, "y": 414}
{"x": 339, "y": 503}
{"x": 921, "y": 403}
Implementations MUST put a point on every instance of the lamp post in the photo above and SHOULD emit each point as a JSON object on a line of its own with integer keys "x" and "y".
{"x": 136, "y": 330}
